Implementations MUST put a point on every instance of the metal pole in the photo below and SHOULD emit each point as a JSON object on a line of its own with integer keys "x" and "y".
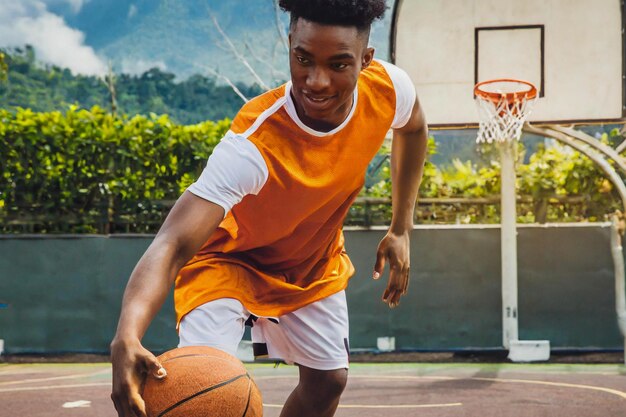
{"x": 508, "y": 219}
{"x": 620, "y": 281}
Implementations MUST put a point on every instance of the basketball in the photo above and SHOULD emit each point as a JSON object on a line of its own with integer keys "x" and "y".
{"x": 202, "y": 382}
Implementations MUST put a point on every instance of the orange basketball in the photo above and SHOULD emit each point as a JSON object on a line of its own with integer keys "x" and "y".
{"x": 202, "y": 382}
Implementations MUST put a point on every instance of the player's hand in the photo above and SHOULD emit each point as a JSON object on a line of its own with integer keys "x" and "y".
{"x": 395, "y": 249}
{"x": 131, "y": 363}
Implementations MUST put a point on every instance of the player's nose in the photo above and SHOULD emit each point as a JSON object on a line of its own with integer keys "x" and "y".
{"x": 318, "y": 79}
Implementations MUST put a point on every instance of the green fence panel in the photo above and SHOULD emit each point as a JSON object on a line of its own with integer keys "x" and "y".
{"x": 566, "y": 289}
{"x": 63, "y": 293}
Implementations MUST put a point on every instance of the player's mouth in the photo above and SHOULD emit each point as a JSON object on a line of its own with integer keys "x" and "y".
{"x": 317, "y": 102}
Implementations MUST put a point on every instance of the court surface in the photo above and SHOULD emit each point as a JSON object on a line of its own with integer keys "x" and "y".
{"x": 399, "y": 389}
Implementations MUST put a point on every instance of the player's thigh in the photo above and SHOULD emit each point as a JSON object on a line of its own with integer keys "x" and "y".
{"x": 219, "y": 324}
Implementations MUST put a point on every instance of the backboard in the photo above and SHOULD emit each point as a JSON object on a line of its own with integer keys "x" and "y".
{"x": 572, "y": 50}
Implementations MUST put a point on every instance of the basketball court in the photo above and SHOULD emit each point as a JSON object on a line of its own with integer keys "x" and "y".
{"x": 573, "y": 52}
{"x": 400, "y": 389}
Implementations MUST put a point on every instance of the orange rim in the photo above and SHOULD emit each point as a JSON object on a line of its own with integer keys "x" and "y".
{"x": 511, "y": 97}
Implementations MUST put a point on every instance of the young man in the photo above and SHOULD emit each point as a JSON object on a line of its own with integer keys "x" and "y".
{"x": 258, "y": 237}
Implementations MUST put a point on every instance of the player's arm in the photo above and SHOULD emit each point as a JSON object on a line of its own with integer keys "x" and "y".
{"x": 189, "y": 224}
{"x": 234, "y": 170}
{"x": 408, "y": 153}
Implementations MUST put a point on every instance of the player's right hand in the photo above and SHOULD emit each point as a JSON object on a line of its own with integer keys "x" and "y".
{"x": 131, "y": 363}
{"x": 394, "y": 248}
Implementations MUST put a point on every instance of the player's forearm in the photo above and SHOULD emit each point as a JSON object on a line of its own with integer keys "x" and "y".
{"x": 408, "y": 153}
{"x": 147, "y": 288}
{"x": 188, "y": 225}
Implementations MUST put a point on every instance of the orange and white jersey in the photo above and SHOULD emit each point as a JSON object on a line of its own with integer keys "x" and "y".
{"x": 286, "y": 189}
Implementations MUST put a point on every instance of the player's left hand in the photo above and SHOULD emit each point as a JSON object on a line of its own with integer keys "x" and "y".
{"x": 394, "y": 248}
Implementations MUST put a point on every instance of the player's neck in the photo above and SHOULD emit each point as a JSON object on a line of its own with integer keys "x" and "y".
{"x": 327, "y": 124}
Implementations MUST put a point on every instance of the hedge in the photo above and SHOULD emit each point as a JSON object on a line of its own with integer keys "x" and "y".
{"x": 83, "y": 171}
{"x": 95, "y": 172}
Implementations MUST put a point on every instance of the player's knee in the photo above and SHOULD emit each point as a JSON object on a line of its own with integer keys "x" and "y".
{"x": 336, "y": 382}
{"x": 327, "y": 386}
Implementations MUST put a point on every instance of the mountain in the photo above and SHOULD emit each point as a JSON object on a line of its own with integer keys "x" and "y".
{"x": 180, "y": 36}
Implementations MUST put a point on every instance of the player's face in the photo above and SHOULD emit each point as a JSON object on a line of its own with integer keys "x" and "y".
{"x": 325, "y": 62}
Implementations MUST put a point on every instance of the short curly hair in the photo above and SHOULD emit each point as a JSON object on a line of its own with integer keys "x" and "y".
{"x": 359, "y": 13}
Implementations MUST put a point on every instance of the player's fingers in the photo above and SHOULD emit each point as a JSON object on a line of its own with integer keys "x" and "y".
{"x": 117, "y": 396}
{"x": 123, "y": 405}
{"x": 394, "y": 295}
{"x": 398, "y": 278}
{"x": 406, "y": 279}
{"x": 379, "y": 266}
{"x": 137, "y": 405}
{"x": 154, "y": 367}
{"x": 389, "y": 295}
{"x": 117, "y": 407}
{"x": 386, "y": 294}
{"x": 392, "y": 301}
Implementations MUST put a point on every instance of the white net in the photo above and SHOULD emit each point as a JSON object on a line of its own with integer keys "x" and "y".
{"x": 502, "y": 120}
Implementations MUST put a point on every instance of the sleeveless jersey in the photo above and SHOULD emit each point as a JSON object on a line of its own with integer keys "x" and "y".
{"x": 283, "y": 248}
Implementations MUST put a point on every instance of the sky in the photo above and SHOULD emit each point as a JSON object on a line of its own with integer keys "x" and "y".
{"x": 34, "y": 22}
{"x": 31, "y": 22}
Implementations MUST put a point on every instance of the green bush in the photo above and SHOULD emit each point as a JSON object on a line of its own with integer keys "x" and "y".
{"x": 94, "y": 172}
{"x": 556, "y": 184}
{"x": 83, "y": 171}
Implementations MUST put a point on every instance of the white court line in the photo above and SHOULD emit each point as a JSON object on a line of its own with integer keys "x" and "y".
{"x": 77, "y": 404}
{"x": 399, "y": 406}
{"x": 618, "y": 393}
{"x": 383, "y": 406}
{"x": 55, "y": 378}
{"x": 558, "y": 384}
{"x": 49, "y": 387}
{"x": 621, "y": 394}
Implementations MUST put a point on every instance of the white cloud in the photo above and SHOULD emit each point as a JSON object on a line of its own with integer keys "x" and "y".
{"x": 30, "y": 22}
{"x": 76, "y": 4}
{"x": 132, "y": 11}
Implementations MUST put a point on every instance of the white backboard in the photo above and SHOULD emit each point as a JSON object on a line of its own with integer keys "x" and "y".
{"x": 572, "y": 50}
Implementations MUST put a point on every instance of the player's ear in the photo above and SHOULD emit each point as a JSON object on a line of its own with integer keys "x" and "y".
{"x": 366, "y": 59}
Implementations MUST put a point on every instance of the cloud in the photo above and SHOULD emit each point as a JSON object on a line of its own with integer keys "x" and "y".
{"x": 30, "y": 22}
{"x": 132, "y": 11}
{"x": 76, "y": 4}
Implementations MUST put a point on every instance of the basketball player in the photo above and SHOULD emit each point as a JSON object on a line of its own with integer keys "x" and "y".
{"x": 258, "y": 237}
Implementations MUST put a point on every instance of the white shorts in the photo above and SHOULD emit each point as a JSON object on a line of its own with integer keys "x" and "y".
{"x": 315, "y": 336}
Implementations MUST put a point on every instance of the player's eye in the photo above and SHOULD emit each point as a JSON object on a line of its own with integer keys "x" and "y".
{"x": 339, "y": 66}
{"x": 302, "y": 60}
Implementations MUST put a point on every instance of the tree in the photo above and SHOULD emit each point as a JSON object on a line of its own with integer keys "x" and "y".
{"x": 45, "y": 88}
{"x": 4, "y": 69}
{"x": 246, "y": 55}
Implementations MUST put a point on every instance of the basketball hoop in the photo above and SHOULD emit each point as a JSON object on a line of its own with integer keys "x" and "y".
{"x": 503, "y": 106}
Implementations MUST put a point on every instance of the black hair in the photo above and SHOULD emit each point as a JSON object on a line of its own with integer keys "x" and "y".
{"x": 359, "y": 13}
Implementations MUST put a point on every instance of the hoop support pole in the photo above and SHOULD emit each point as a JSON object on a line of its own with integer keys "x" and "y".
{"x": 508, "y": 236}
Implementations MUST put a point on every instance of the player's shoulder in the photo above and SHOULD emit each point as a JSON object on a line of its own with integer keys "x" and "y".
{"x": 379, "y": 74}
{"x": 255, "y": 107}
{"x": 380, "y": 70}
